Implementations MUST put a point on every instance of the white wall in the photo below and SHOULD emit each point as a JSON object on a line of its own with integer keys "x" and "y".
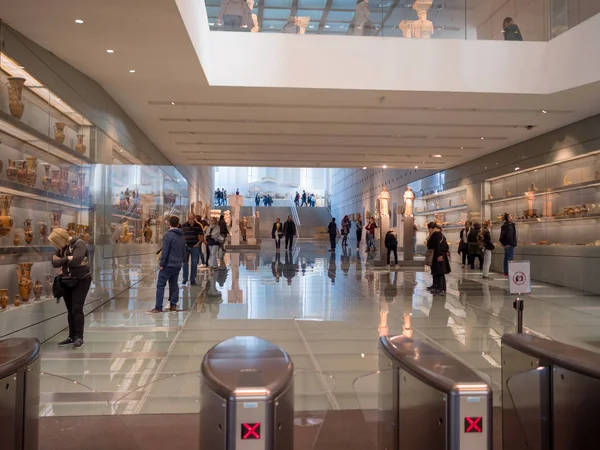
{"x": 387, "y": 63}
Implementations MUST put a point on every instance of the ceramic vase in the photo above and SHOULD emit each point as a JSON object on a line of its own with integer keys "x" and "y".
{"x": 55, "y": 181}
{"x": 80, "y": 147}
{"x": 17, "y": 301}
{"x": 21, "y": 171}
{"x": 11, "y": 170}
{"x": 48, "y": 285}
{"x": 31, "y": 175}
{"x": 43, "y": 232}
{"x": 63, "y": 186}
{"x": 59, "y": 132}
{"x": 55, "y": 216}
{"x": 28, "y": 231}
{"x": 6, "y": 222}
{"x": 46, "y": 179}
{"x": 38, "y": 289}
{"x": 15, "y": 96}
{"x": 16, "y": 240}
{"x": 25, "y": 283}
{"x": 3, "y": 299}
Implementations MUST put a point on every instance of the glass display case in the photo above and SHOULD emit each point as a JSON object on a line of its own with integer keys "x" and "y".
{"x": 554, "y": 204}
{"x": 445, "y": 207}
{"x": 45, "y": 177}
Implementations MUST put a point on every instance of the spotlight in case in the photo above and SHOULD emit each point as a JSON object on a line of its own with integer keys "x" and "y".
{"x": 132, "y": 71}
{"x": 365, "y": 168}
{"x": 79, "y": 21}
{"x": 110, "y": 51}
{"x": 437, "y": 156}
{"x": 544, "y": 111}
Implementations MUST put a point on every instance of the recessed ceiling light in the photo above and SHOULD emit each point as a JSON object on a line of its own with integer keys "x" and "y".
{"x": 327, "y": 26}
{"x": 110, "y": 51}
{"x": 482, "y": 138}
{"x": 385, "y": 166}
{"x": 365, "y": 168}
{"x": 437, "y": 156}
{"x": 173, "y": 103}
{"x": 517, "y": 168}
{"x": 544, "y": 111}
{"x": 416, "y": 167}
{"x": 462, "y": 148}
{"x": 132, "y": 71}
{"x": 211, "y": 23}
{"x": 78, "y": 21}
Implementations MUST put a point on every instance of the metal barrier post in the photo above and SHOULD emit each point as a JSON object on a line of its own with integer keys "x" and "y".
{"x": 518, "y": 305}
{"x": 550, "y": 394}
{"x": 247, "y": 396}
{"x": 429, "y": 400}
{"x": 19, "y": 393}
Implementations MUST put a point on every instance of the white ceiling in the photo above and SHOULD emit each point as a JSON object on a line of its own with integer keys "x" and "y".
{"x": 275, "y": 127}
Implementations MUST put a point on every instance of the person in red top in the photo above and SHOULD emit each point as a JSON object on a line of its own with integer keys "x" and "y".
{"x": 371, "y": 235}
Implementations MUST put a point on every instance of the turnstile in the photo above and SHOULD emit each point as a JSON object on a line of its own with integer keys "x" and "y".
{"x": 19, "y": 393}
{"x": 429, "y": 400}
{"x": 247, "y": 396}
{"x": 550, "y": 395}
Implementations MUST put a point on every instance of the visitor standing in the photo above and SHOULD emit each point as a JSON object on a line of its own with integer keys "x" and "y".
{"x": 345, "y": 230}
{"x": 359, "y": 228}
{"x": 463, "y": 245}
{"x": 213, "y": 240}
{"x": 488, "y": 247}
{"x": 508, "y": 239}
{"x": 332, "y": 229}
{"x": 289, "y": 231}
{"x": 277, "y": 233}
{"x": 193, "y": 235}
{"x": 391, "y": 244}
{"x": 371, "y": 235}
{"x": 72, "y": 258}
{"x": 440, "y": 265}
{"x": 171, "y": 259}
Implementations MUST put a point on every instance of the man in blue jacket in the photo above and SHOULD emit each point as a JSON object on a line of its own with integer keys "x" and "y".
{"x": 171, "y": 259}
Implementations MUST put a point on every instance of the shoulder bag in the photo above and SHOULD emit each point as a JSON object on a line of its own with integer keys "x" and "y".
{"x": 429, "y": 257}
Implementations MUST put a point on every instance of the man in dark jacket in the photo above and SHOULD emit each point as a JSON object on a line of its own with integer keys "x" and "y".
{"x": 508, "y": 239}
{"x": 193, "y": 235}
{"x": 332, "y": 229}
{"x": 391, "y": 244}
{"x": 289, "y": 231}
{"x": 171, "y": 260}
{"x": 511, "y": 30}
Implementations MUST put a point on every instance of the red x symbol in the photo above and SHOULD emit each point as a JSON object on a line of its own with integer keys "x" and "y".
{"x": 251, "y": 430}
{"x": 473, "y": 424}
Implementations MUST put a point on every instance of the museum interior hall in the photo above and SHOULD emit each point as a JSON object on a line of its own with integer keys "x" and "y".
{"x": 299, "y": 224}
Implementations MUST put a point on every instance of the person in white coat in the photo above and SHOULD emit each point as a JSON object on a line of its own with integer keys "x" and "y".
{"x": 213, "y": 240}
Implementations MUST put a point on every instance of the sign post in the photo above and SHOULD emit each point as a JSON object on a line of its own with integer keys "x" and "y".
{"x": 519, "y": 282}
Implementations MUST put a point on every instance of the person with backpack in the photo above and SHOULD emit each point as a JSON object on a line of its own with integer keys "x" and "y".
{"x": 440, "y": 265}
{"x": 391, "y": 243}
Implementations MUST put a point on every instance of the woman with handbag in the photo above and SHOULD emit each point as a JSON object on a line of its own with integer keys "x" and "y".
{"x": 277, "y": 233}
{"x": 437, "y": 251}
{"x": 488, "y": 247}
{"x": 75, "y": 277}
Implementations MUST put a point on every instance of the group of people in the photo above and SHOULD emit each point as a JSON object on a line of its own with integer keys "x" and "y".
{"x": 126, "y": 196}
{"x": 305, "y": 199}
{"x": 267, "y": 199}
{"x": 221, "y": 197}
{"x": 286, "y": 230}
{"x": 476, "y": 244}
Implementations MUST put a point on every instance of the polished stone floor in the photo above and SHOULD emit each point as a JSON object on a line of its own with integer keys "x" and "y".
{"x": 326, "y": 310}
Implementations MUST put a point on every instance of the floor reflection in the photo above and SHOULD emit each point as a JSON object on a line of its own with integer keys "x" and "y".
{"x": 326, "y": 309}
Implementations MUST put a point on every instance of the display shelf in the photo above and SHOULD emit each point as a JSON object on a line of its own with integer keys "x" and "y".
{"x": 446, "y": 192}
{"x": 557, "y": 190}
{"x": 550, "y": 220}
{"x": 123, "y": 214}
{"x": 23, "y": 132}
{"x": 21, "y": 190}
{"x": 25, "y": 249}
{"x": 430, "y": 212}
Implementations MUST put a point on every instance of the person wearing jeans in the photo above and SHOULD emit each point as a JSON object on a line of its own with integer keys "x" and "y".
{"x": 171, "y": 260}
{"x": 213, "y": 240}
{"x": 230, "y": 15}
{"x": 508, "y": 239}
{"x": 289, "y": 231}
{"x": 371, "y": 235}
{"x": 193, "y": 235}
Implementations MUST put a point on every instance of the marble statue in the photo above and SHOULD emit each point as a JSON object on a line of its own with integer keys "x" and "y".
{"x": 407, "y": 28}
{"x": 409, "y": 197}
{"x": 384, "y": 199}
{"x": 423, "y": 28}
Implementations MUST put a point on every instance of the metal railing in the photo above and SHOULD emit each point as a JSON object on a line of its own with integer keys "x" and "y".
{"x": 295, "y": 216}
